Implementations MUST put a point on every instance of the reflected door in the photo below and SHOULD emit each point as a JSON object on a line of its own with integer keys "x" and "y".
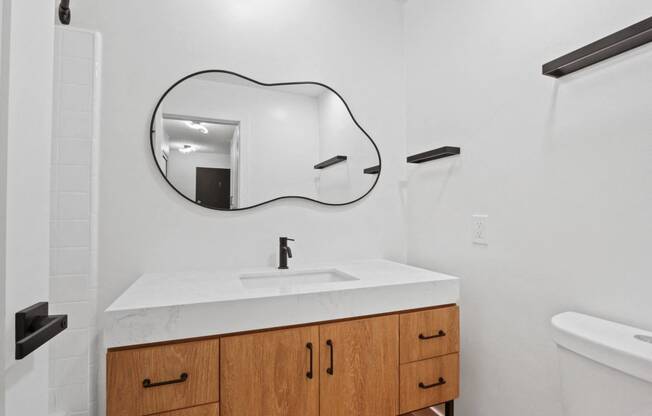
{"x": 213, "y": 187}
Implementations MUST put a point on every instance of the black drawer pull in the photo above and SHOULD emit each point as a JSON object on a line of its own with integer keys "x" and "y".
{"x": 309, "y": 346}
{"x": 147, "y": 383}
{"x": 439, "y": 335}
{"x": 429, "y": 386}
{"x": 329, "y": 370}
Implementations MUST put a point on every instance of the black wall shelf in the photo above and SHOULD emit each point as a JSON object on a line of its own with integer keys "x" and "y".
{"x": 372, "y": 170}
{"x": 622, "y": 41}
{"x": 445, "y": 151}
{"x": 35, "y": 327}
{"x": 330, "y": 162}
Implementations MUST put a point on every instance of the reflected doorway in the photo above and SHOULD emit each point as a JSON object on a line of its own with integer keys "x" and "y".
{"x": 202, "y": 158}
{"x": 213, "y": 187}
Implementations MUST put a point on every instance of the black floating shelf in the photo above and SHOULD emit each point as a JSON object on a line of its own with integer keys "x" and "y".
{"x": 372, "y": 170}
{"x": 330, "y": 162}
{"x": 434, "y": 154}
{"x": 605, "y": 48}
{"x": 35, "y": 327}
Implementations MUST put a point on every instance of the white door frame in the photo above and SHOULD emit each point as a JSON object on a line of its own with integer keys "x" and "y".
{"x": 3, "y": 194}
{"x": 235, "y": 120}
{"x": 26, "y": 99}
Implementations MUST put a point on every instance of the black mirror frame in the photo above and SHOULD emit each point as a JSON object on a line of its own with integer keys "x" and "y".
{"x": 158, "y": 104}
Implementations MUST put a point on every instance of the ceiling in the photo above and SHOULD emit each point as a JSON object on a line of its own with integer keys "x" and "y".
{"x": 217, "y": 140}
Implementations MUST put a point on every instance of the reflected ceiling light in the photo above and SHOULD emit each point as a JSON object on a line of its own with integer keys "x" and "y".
{"x": 187, "y": 148}
{"x": 197, "y": 126}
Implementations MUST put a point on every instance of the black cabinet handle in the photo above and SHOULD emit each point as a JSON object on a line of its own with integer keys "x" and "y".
{"x": 439, "y": 335}
{"x": 441, "y": 382}
{"x": 309, "y": 346}
{"x": 329, "y": 370}
{"x": 147, "y": 383}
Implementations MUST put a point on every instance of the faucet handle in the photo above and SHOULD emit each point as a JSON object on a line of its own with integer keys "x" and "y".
{"x": 287, "y": 238}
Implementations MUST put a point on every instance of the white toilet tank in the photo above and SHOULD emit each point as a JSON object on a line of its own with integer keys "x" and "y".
{"x": 606, "y": 368}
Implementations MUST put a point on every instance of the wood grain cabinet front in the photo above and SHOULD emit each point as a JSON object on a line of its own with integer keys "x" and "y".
{"x": 429, "y": 382}
{"x": 212, "y": 409}
{"x": 429, "y": 333}
{"x": 359, "y": 367}
{"x": 271, "y": 373}
{"x": 150, "y": 380}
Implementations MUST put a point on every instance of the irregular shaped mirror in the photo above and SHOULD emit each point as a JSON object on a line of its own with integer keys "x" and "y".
{"x": 228, "y": 142}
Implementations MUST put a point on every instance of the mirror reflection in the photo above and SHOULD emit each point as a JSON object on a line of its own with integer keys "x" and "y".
{"x": 226, "y": 142}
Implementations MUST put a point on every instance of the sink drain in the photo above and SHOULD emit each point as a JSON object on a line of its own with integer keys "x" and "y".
{"x": 644, "y": 338}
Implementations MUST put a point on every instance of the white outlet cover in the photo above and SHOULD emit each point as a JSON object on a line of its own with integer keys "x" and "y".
{"x": 479, "y": 234}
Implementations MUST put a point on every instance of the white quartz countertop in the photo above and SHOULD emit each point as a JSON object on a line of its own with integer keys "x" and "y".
{"x": 168, "y": 306}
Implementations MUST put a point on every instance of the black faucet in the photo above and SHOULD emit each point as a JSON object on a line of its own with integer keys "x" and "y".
{"x": 284, "y": 252}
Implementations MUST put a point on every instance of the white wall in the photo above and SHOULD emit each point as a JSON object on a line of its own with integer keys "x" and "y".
{"x": 145, "y": 226}
{"x": 340, "y": 136}
{"x": 563, "y": 168}
{"x": 279, "y": 136}
{"x": 336, "y": 42}
{"x": 73, "y": 280}
{"x": 26, "y": 115}
{"x": 4, "y": 105}
{"x": 182, "y": 168}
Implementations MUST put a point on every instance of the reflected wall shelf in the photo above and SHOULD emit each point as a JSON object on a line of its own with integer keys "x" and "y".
{"x": 622, "y": 41}
{"x": 372, "y": 170}
{"x": 330, "y": 162}
{"x": 445, "y": 151}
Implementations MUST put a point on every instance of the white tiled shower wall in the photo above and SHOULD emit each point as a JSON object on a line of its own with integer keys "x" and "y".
{"x": 73, "y": 274}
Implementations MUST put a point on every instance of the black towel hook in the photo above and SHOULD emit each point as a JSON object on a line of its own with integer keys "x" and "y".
{"x": 64, "y": 12}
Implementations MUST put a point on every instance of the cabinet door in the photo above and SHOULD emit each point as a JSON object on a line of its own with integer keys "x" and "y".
{"x": 359, "y": 367}
{"x": 269, "y": 373}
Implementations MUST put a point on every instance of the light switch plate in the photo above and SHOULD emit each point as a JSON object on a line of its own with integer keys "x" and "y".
{"x": 479, "y": 234}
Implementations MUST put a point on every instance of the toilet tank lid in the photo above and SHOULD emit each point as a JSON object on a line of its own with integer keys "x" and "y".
{"x": 609, "y": 343}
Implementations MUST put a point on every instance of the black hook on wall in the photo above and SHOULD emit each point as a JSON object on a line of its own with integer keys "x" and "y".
{"x": 64, "y": 12}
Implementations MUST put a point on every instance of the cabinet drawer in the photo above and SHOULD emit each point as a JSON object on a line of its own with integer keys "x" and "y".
{"x": 206, "y": 410}
{"x": 430, "y": 333}
{"x": 428, "y": 382}
{"x": 150, "y": 380}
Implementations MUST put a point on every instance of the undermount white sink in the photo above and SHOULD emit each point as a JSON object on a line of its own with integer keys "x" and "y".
{"x": 293, "y": 278}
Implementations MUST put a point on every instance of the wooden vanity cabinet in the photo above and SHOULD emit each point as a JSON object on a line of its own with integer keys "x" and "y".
{"x": 376, "y": 366}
